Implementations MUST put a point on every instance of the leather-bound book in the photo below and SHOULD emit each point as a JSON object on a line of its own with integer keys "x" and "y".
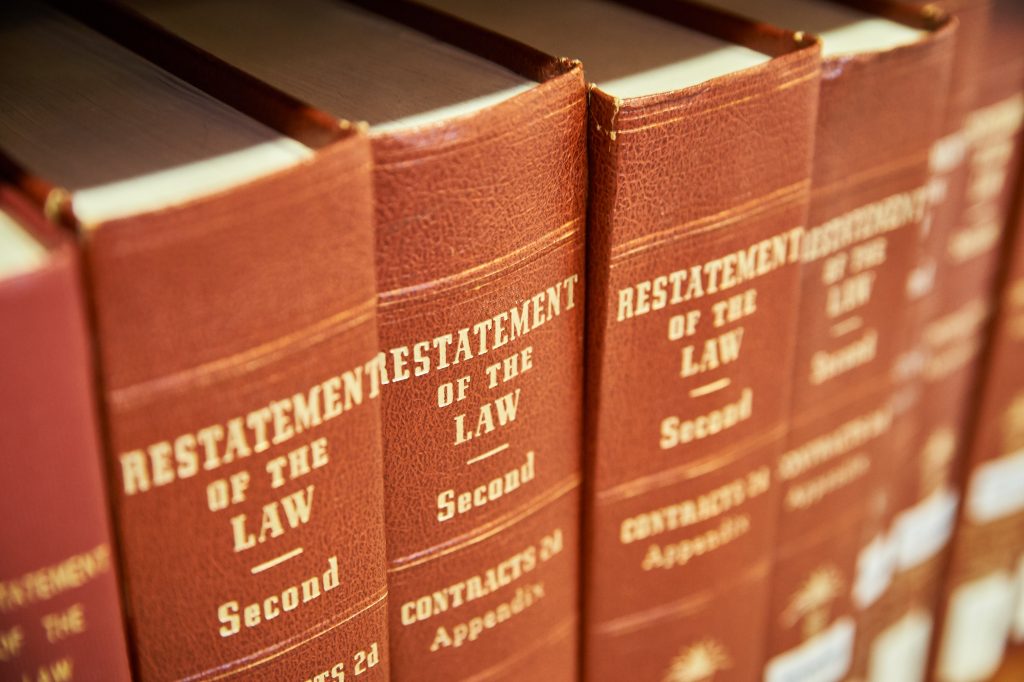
{"x": 479, "y": 176}
{"x": 230, "y": 271}
{"x": 60, "y": 608}
{"x": 947, "y": 296}
{"x": 973, "y": 166}
{"x": 985, "y": 575}
{"x": 981, "y": 600}
{"x": 883, "y": 97}
{"x": 700, "y": 139}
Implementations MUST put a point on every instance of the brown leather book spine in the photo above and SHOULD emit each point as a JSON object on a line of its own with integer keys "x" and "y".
{"x": 237, "y": 343}
{"x": 972, "y": 166}
{"x": 698, "y": 207}
{"x": 480, "y": 248}
{"x": 60, "y": 610}
{"x": 880, "y": 113}
{"x": 947, "y": 297}
{"x": 986, "y": 563}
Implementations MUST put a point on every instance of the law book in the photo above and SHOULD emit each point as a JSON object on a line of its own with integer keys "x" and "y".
{"x": 60, "y": 608}
{"x": 947, "y": 300}
{"x": 699, "y": 152}
{"x": 972, "y": 164}
{"x": 229, "y": 268}
{"x": 479, "y": 175}
{"x": 883, "y": 94}
{"x": 980, "y": 601}
{"x": 984, "y": 573}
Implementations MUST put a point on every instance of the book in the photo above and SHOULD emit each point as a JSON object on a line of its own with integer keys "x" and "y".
{"x": 971, "y": 197}
{"x": 229, "y": 268}
{"x": 976, "y": 597}
{"x": 886, "y": 69}
{"x": 700, "y": 150}
{"x": 479, "y": 179}
{"x": 980, "y": 607}
{"x": 60, "y": 608}
{"x": 947, "y": 300}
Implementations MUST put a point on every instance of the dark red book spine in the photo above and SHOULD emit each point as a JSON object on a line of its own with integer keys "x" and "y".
{"x": 60, "y": 607}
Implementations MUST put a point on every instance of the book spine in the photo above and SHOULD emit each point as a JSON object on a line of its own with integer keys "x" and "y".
{"x": 986, "y": 566}
{"x": 60, "y": 611}
{"x": 698, "y": 207}
{"x": 880, "y": 113}
{"x": 947, "y": 310}
{"x": 986, "y": 548}
{"x": 237, "y": 342}
{"x": 480, "y": 259}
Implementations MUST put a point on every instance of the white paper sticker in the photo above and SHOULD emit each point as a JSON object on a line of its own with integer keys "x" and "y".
{"x": 900, "y": 652}
{"x": 997, "y": 489}
{"x": 876, "y": 564}
{"x": 825, "y": 657}
{"x": 977, "y": 626}
{"x": 923, "y": 530}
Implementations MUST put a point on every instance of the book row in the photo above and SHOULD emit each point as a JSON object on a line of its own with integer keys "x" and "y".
{"x": 646, "y": 339}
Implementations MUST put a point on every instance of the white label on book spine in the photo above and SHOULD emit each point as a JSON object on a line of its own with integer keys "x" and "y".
{"x": 823, "y": 658}
{"x": 977, "y": 625}
{"x": 997, "y": 489}
{"x": 925, "y": 529}
{"x": 900, "y": 652}
{"x": 876, "y": 564}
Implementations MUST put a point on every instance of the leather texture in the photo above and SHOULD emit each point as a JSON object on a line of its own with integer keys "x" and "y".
{"x": 993, "y": 376}
{"x": 879, "y": 115}
{"x": 206, "y": 312}
{"x": 680, "y": 527}
{"x": 237, "y": 346}
{"x": 949, "y": 323}
{"x": 480, "y": 218}
{"x": 60, "y": 610}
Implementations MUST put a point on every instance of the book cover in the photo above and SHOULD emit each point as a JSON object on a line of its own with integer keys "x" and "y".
{"x": 230, "y": 274}
{"x": 699, "y": 155}
{"x": 60, "y": 606}
{"x": 479, "y": 181}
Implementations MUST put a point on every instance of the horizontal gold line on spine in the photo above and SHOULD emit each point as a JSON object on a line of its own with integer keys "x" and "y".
{"x": 760, "y": 205}
{"x": 490, "y": 453}
{"x": 878, "y": 170}
{"x": 558, "y": 633}
{"x": 844, "y": 327}
{"x": 276, "y": 561}
{"x": 680, "y": 608}
{"x": 713, "y": 387}
{"x": 696, "y": 112}
{"x": 690, "y": 470}
{"x": 480, "y": 275}
{"x": 218, "y": 370}
{"x": 278, "y": 649}
{"x": 876, "y": 383}
{"x": 828, "y": 528}
{"x": 487, "y": 530}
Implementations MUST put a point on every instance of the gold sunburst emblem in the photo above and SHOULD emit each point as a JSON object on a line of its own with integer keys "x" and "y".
{"x": 1013, "y": 425}
{"x": 812, "y": 603}
{"x": 698, "y": 662}
{"x": 937, "y": 458}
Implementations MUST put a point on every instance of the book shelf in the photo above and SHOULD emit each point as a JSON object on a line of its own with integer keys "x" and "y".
{"x": 437, "y": 339}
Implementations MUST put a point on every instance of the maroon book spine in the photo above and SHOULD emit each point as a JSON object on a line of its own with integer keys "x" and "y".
{"x": 60, "y": 611}
{"x": 879, "y": 115}
{"x": 946, "y": 303}
{"x": 986, "y": 561}
{"x": 698, "y": 207}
